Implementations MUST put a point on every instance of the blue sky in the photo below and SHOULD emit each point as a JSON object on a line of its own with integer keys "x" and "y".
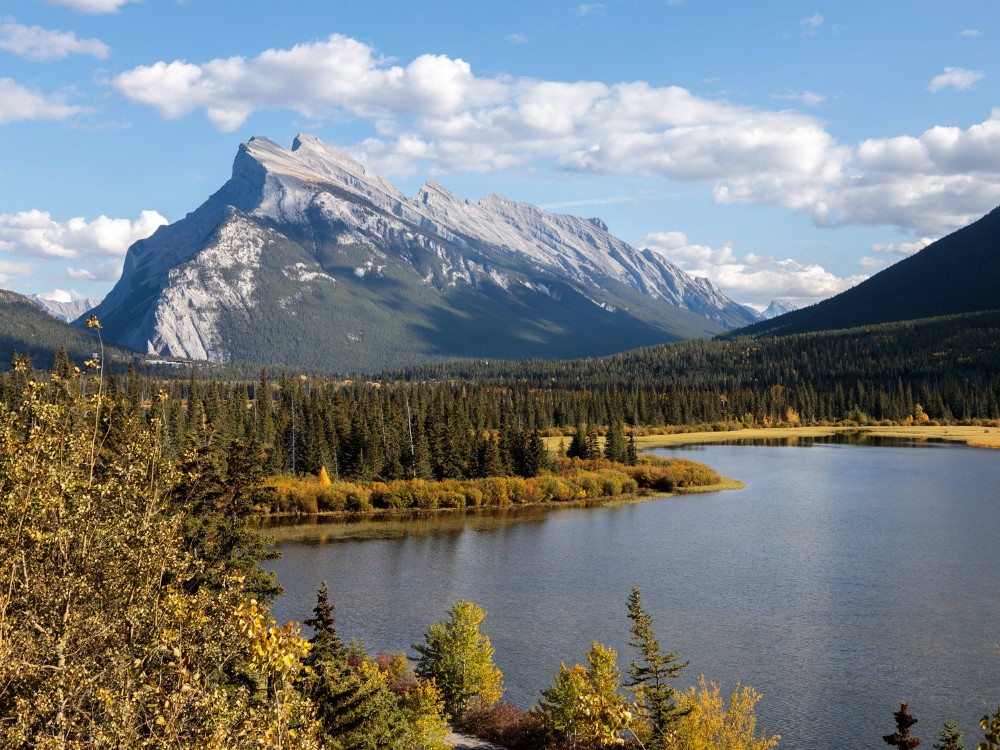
{"x": 784, "y": 149}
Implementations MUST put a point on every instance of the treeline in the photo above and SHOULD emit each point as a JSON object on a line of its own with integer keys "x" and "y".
{"x": 476, "y": 419}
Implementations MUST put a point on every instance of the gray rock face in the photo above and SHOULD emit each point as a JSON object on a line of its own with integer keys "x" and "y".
{"x": 65, "y": 311}
{"x": 308, "y": 241}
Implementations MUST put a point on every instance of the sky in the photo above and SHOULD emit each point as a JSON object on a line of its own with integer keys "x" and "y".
{"x": 783, "y": 149}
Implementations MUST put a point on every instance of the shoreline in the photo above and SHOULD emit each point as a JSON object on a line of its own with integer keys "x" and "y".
{"x": 972, "y": 436}
{"x": 383, "y": 523}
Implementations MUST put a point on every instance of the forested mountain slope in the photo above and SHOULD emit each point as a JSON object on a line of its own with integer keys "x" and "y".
{"x": 957, "y": 274}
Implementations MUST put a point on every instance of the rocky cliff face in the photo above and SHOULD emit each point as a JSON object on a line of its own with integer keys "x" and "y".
{"x": 305, "y": 257}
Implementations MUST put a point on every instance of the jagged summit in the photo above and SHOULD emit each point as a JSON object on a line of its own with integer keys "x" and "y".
{"x": 308, "y": 239}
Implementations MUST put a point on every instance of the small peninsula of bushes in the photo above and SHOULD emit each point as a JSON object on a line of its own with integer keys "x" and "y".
{"x": 568, "y": 480}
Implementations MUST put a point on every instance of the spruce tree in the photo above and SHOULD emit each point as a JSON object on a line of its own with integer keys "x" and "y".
{"x": 578, "y": 445}
{"x": 356, "y": 708}
{"x": 536, "y": 456}
{"x": 950, "y": 737}
{"x": 631, "y": 452}
{"x": 651, "y": 678}
{"x": 615, "y": 447}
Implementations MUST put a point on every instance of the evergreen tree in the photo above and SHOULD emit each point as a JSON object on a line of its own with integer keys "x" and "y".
{"x": 593, "y": 442}
{"x": 651, "y": 679}
{"x": 950, "y": 737}
{"x": 488, "y": 460}
{"x": 631, "y": 453}
{"x": 219, "y": 493}
{"x": 354, "y": 705}
{"x": 615, "y": 447}
{"x": 901, "y": 737}
{"x": 578, "y": 447}
{"x": 536, "y": 457}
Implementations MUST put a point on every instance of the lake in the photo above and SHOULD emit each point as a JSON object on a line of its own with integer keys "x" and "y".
{"x": 842, "y": 580}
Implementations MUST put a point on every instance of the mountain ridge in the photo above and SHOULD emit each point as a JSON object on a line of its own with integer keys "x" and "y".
{"x": 308, "y": 240}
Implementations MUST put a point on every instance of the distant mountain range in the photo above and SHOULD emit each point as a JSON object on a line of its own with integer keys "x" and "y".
{"x": 306, "y": 258}
{"x": 779, "y": 307}
{"x": 66, "y": 311}
{"x": 28, "y": 329}
{"x": 959, "y": 273}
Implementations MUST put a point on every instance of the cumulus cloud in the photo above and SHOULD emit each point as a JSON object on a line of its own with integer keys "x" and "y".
{"x": 13, "y": 269}
{"x": 36, "y": 234}
{"x": 902, "y": 248}
{"x": 313, "y": 79}
{"x": 751, "y": 277}
{"x": 39, "y": 45}
{"x": 18, "y": 103}
{"x": 955, "y": 78}
{"x": 435, "y": 114}
{"x": 92, "y": 6}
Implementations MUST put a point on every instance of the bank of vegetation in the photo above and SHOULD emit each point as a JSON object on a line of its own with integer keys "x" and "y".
{"x": 134, "y": 610}
{"x": 561, "y": 480}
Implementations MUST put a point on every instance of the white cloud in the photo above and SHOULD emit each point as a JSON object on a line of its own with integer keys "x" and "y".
{"x": 13, "y": 269}
{"x": 61, "y": 295}
{"x": 970, "y": 32}
{"x": 92, "y": 6}
{"x": 587, "y": 202}
{"x": 517, "y": 38}
{"x": 808, "y": 98}
{"x": 18, "y": 103}
{"x": 80, "y": 274}
{"x": 36, "y": 234}
{"x": 868, "y": 263}
{"x": 956, "y": 78}
{"x": 110, "y": 270}
{"x": 589, "y": 9}
{"x": 751, "y": 277}
{"x": 814, "y": 21}
{"x": 434, "y": 114}
{"x": 313, "y": 79}
{"x": 37, "y": 44}
{"x": 902, "y": 248}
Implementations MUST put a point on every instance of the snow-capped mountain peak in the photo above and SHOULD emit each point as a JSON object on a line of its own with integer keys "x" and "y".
{"x": 308, "y": 233}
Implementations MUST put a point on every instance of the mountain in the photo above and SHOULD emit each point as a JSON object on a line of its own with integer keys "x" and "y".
{"x": 306, "y": 258}
{"x": 65, "y": 310}
{"x": 27, "y": 329}
{"x": 959, "y": 273}
{"x": 778, "y": 307}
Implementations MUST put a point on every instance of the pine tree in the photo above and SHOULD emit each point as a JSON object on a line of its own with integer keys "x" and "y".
{"x": 593, "y": 443}
{"x": 220, "y": 492}
{"x": 355, "y": 706}
{"x": 631, "y": 453}
{"x": 615, "y": 447}
{"x": 651, "y": 679}
{"x": 578, "y": 444}
{"x": 536, "y": 457}
{"x": 901, "y": 737}
{"x": 950, "y": 737}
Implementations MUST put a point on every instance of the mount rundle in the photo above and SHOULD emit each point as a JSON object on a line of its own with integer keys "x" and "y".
{"x": 306, "y": 258}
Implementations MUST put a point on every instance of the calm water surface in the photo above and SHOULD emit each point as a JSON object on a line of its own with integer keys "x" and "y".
{"x": 841, "y": 581}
